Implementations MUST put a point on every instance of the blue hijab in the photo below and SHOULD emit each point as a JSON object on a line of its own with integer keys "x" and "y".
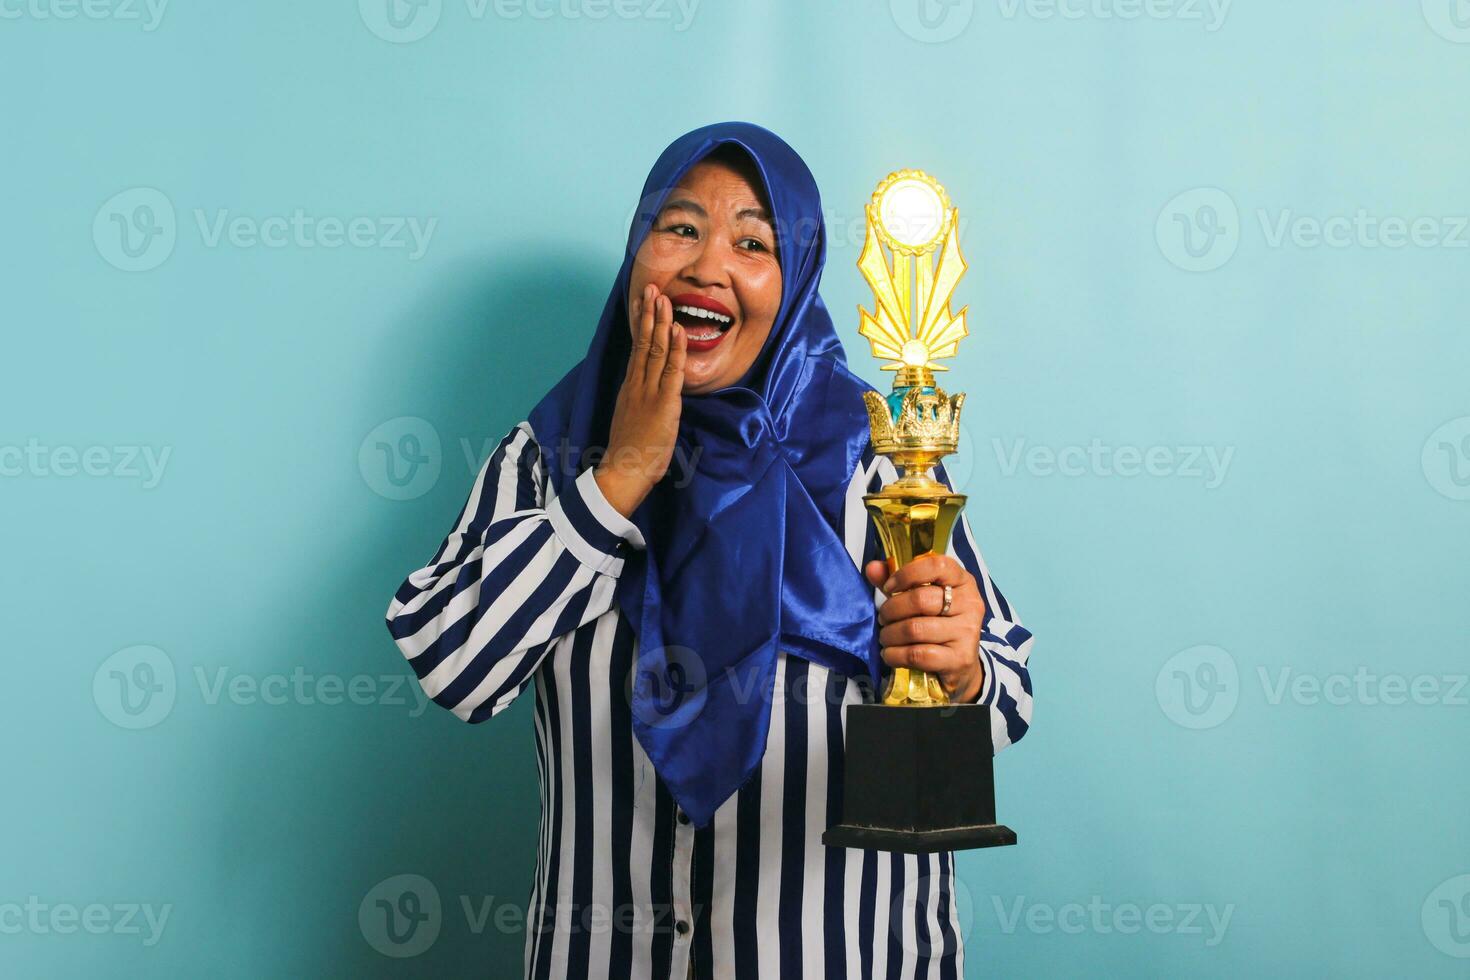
{"x": 744, "y": 553}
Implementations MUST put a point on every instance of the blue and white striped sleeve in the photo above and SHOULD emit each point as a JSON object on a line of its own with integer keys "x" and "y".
{"x": 515, "y": 574}
{"x": 1005, "y": 645}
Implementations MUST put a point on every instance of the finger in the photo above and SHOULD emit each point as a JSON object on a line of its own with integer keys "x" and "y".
{"x": 938, "y": 569}
{"x": 931, "y": 657}
{"x": 876, "y": 573}
{"x": 658, "y": 350}
{"x": 956, "y": 686}
{"x": 642, "y": 334}
{"x": 921, "y": 600}
{"x": 672, "y": 383}
{"x": 639, "y": 307}
{"x": 926, "y": 629}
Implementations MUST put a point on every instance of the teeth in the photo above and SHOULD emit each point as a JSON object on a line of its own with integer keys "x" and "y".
{"x": 703, "y": 313}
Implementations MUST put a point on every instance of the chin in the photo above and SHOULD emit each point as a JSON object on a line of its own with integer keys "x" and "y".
{"x": 694, "y": 384}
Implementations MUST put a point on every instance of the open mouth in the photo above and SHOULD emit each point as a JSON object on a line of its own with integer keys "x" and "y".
{"x": 705, "y": 321}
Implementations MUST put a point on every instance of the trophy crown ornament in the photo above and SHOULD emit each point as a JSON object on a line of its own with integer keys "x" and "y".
{"x": 925, "y": 421}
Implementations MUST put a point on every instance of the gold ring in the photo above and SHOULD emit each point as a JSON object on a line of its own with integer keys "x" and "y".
{"x": 948, "y": 600}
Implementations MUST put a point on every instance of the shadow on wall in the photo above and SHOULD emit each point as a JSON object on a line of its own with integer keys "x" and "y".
{"x": 319, "y": 807}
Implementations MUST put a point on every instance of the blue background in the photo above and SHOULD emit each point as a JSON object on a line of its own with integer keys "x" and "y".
{"x": 1121, "y": 182}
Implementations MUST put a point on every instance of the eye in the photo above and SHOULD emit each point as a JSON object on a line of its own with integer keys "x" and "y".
{"x": 752, "y": 245}
{"x": 681, "y": 229}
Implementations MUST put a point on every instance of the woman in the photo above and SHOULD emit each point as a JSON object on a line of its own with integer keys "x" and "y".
{"x": 691, "y": 607}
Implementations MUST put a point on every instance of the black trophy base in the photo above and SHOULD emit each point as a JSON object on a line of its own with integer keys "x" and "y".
{"x": 919, "y": 841}
{"x": 918, "y": 780}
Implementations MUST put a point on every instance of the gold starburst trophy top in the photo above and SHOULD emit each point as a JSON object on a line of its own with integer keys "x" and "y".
{"x": 915, "y": 781}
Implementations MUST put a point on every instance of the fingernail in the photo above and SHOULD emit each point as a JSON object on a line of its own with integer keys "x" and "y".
{"x": 888, "y": 586}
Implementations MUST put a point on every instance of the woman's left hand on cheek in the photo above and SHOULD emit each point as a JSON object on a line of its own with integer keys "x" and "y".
{"x": 914, "y": 634}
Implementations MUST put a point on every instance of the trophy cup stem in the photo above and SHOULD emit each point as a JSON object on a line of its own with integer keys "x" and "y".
{"x": 915, "y": 516}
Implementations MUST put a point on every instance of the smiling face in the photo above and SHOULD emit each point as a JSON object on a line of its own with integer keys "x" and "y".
{"x": 712, "y": 251}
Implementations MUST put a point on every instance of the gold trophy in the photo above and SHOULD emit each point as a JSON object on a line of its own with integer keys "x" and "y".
{"x": 918, "y": 423}
{"x": 920, "y": 781}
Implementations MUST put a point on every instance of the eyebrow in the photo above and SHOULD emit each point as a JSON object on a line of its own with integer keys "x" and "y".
{"x": 684, "y": 204}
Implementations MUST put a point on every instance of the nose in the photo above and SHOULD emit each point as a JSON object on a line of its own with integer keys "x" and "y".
{"x": 708, "y": 267}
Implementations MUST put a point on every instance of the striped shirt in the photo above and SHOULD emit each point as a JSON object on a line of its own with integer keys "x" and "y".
{"x": 522, "y": 590}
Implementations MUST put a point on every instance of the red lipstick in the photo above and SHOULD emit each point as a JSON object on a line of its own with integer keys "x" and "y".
{"x": 703, "y": 302}
{"x": 707, "y": 318}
